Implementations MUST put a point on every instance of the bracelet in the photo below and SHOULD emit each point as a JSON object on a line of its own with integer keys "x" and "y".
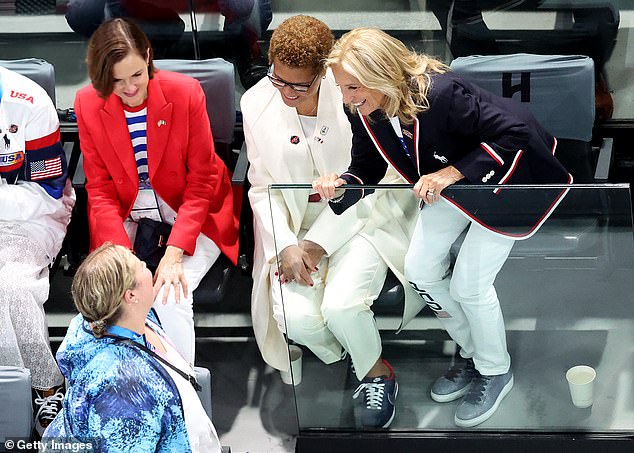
{"x": 338, "y": 199}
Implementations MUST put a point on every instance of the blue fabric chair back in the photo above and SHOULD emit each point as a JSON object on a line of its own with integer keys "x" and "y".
{"x": 217, "y": 78}
{"x": 16, "y": 415}
{"x": 40, "y": 71}
{"x": 558, "y": 89}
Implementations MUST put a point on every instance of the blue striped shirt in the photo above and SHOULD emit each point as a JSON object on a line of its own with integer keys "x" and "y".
{"x": 137, "y": 126}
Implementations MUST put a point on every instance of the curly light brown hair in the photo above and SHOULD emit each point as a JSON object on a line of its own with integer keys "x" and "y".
{"x": 301, "y": 42}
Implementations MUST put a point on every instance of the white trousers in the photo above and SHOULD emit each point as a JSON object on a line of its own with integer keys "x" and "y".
{"x": 466, "y": 302}
{"x": 178, "y": 319}
{"x": 335, "y": 312}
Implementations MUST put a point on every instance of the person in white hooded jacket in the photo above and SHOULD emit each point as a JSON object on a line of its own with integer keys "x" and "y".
{"x": 36, "y": 199}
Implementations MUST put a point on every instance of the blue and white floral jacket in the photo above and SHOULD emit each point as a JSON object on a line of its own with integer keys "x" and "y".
{"x": 118, "y": 397}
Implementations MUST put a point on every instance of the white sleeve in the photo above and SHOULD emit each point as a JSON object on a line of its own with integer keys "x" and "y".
{"x": 269, "y": 208}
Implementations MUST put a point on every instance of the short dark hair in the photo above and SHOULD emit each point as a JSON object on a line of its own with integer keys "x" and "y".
{"x": 111, "y": 43}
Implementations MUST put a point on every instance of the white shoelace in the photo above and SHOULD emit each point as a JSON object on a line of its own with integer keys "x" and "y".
{"x": 373, "y": 394}
{"x": 49, "y": 406}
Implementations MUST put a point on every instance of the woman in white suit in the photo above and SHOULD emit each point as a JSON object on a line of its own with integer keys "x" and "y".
{"x": 327, "y": 269}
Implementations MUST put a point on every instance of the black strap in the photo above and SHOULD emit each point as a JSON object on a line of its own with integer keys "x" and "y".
{"x": 192, "y": 380}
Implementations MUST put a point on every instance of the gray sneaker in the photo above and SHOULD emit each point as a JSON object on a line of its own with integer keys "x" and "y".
{"x": 483, "y": 399}
{"x": 455, "y": 382}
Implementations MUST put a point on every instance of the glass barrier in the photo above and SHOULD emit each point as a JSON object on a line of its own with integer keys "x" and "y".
{"x": 566, "y": 294}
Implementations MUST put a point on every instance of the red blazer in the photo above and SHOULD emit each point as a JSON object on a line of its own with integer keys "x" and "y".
{"x": 184, "y": 169}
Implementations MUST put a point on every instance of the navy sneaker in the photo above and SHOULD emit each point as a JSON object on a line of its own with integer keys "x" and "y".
{"x": 374, "y": 400}
{"x": 455, "y": 382}
{"x": 483, "y": 399}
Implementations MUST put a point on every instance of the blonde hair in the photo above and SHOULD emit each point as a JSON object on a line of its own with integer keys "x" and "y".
{"x": 301, "y": 42}
{"x": 384, "y": 63}
{"x": 100, "y": 284}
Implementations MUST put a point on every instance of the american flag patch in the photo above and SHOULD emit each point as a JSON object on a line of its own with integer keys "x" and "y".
{"x": 48, "y": 168}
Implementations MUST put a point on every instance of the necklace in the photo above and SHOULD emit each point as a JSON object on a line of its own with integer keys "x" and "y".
{"x": 313, "y": 112}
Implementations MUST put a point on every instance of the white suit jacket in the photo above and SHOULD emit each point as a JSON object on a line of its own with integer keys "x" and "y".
{"x": 278, "y": 153}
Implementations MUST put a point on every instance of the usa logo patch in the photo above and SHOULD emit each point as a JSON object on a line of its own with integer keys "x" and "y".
{"x": 11, "y": 161}
{"x": 48, "y": 168}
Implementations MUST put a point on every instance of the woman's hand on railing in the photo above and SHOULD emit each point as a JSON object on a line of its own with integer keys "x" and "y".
{"x": 431, "y": 185}
{"x": 327, "y": 186}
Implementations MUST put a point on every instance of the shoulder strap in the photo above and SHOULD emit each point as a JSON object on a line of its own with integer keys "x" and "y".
{"x": 187, "y": 377}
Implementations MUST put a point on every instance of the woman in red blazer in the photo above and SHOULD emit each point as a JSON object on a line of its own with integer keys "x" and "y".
{"x": 148, "y": 152}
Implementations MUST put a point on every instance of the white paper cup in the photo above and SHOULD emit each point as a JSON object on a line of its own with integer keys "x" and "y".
{"x": 581, "y": 383}
{"x": 294, "y": 376}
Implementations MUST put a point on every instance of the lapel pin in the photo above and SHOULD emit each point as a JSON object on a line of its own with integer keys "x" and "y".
{"x": 160, "y": 123}
{"x": 294, "y": 139}
{"x": 324, "y": 130}
{"x": 408, "y": 134}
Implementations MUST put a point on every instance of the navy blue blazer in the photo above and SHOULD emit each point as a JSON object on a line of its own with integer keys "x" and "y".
{"x": 491, "y": 140}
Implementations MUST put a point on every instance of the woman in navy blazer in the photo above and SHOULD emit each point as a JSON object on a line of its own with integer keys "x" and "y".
{"x": 409, "y": 112}
{"x": 148, "y": 152}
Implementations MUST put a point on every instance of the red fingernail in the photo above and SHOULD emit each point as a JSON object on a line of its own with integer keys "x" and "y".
{"x": 312, "y": 284}
{"x": 276, "y": 274}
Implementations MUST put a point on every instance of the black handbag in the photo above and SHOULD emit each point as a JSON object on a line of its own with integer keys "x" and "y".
{"x": 151, "y": 241}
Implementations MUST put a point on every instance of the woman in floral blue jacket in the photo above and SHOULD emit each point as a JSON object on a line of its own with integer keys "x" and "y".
{"x": 127, "y": 386}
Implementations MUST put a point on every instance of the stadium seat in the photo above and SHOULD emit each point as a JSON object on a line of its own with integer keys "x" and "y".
{"x": 203, "y": 377}
{"x": 559, "y": 90}
{"x": 217, "y": 78}
{"x": 40, "y": 71}
{"x": 16, "y": 416}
